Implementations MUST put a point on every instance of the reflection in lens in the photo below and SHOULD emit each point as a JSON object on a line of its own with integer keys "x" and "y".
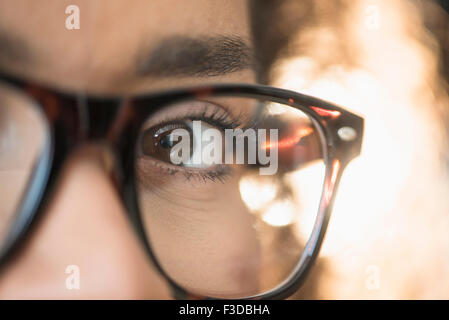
{"x": 230, "y": 229}
{"x": 23, "y": 134}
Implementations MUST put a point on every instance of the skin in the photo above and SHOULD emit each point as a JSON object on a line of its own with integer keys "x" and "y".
{"x": 91, "y": 229}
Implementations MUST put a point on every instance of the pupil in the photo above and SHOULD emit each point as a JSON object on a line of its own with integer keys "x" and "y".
{"x": 166, "y": 142}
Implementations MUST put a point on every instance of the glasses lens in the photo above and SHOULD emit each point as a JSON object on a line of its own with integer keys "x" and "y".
{"x": 229, "y": 190}
{"x": 23, "y": 133}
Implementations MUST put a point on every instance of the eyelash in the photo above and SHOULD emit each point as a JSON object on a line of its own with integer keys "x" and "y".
{"x": 220, "y": 174}
{"x": 219, "y": 118}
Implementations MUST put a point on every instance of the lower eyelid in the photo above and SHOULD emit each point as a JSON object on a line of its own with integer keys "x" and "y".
{"x": 152, "y": 171}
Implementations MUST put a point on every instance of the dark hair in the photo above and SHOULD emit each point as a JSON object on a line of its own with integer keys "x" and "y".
{"x": 278, "y": 24}
{"x": 273, "y": 29}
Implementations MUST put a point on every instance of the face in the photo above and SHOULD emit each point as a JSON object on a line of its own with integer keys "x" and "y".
{"x": 127, "y": 49}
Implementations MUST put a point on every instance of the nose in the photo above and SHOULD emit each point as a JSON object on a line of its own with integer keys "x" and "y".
{"x": 83, "y": 245}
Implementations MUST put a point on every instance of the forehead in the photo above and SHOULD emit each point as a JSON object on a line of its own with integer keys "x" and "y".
{"x": 112, "y": 34}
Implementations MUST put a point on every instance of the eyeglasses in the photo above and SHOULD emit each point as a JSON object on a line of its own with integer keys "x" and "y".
{"x": 243, "y": 212}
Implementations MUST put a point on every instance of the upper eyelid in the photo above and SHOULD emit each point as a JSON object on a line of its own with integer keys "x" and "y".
{"x": 165, "y": 116}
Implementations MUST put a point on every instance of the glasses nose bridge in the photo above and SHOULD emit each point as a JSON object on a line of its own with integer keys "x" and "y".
{"x": 102, "y": 122}
{"x": 98, "y": 117}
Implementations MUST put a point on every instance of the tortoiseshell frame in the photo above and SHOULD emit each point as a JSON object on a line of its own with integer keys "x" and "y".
{"x": 74, "y": 118}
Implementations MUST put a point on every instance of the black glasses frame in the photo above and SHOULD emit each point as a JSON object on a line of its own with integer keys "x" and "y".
{"x": 75, "y": 118}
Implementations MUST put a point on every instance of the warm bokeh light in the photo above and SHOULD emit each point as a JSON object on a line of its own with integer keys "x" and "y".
{"x": 279, "y": 213}
{"x": 308, "y": 181}
{"x": 390, "y": 219}
{"x": 255, "y": 193}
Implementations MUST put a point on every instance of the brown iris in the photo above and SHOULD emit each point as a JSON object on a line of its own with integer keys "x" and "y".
{"x": 158, "y": 141}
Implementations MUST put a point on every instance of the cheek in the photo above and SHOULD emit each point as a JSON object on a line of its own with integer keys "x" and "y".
{"x": 209, "y": 247}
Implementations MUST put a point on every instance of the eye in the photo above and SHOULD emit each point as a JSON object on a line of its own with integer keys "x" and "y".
{"x": 160, "y": 141}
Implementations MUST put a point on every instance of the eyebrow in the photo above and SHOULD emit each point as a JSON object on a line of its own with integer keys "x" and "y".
{"x": 197, "y": 57}
{"x": 177, "y": 56}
